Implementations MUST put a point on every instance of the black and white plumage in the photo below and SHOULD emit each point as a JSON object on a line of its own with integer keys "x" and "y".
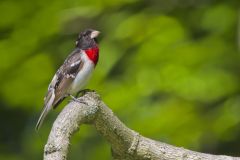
{"x": 73, "y": 75}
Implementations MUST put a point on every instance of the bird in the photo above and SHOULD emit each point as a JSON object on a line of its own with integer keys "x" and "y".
{"x": 73, "y": 74}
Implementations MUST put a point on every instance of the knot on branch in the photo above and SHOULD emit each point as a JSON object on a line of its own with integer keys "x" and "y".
{"x": 132, "y": 149}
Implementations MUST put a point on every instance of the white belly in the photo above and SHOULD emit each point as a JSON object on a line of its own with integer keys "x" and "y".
{"x": 83, "y": 76}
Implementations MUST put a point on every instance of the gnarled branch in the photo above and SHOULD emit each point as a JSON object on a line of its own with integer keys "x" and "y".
{"x": 126, "y": 144}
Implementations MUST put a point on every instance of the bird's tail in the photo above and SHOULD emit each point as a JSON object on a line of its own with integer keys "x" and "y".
{"x": 49, "y": 99}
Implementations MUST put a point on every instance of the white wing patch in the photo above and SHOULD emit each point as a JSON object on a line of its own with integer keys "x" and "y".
{"x": 70, "y": 76}
{"x": 76, "y": 63}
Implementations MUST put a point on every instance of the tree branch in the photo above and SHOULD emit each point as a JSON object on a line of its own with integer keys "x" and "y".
{"x": 126, "y": 143}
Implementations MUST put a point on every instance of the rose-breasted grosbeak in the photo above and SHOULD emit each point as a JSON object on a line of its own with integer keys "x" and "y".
{"x": 72, "y": 76}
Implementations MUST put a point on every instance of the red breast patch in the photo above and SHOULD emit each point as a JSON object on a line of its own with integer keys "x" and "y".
{"x": 92, "y": 54}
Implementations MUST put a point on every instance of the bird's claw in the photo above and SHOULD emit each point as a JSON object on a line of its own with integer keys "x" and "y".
{"x": 84, "y": 91}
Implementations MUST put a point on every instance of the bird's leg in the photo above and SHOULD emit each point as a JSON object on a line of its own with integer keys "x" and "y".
{"x": 77, "y": 100}
{"x": 73, "y": 98}
{"x": 82, "y": 92}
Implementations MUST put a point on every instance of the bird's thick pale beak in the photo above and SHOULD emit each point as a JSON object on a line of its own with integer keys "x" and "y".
{"x": 94, "y": 34}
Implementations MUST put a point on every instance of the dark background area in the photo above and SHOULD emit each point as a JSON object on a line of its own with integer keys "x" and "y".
{"x": 168, "y": 69}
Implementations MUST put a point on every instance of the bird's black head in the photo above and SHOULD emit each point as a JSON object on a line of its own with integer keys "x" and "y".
{"x": 87, "y": 39}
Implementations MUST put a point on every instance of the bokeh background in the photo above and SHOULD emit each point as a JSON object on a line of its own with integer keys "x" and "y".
{"x": 168, "y": 69}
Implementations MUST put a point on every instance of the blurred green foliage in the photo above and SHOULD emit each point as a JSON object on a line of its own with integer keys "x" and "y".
{"x": 169, "y": 69}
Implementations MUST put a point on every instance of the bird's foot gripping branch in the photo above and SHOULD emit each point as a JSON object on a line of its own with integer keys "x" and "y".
{"x": 126, "y": 144}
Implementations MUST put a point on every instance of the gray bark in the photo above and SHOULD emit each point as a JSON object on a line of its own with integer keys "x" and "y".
{"x": 126, "y": 144}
